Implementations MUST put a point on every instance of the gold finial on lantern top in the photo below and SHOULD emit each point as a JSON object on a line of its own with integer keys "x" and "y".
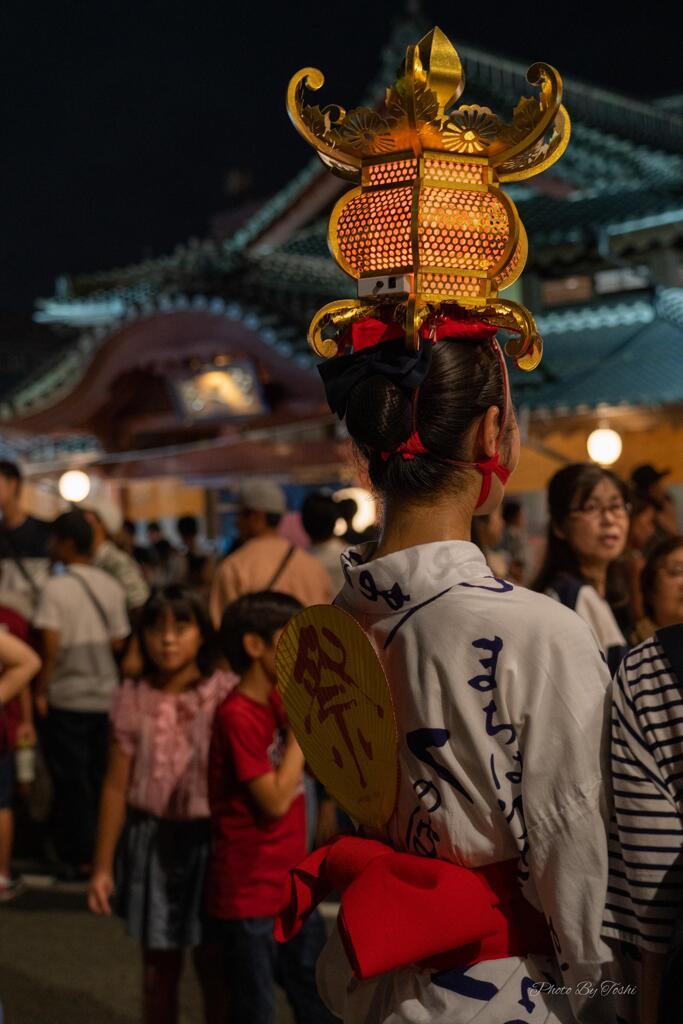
{"x": 428, "y": 224}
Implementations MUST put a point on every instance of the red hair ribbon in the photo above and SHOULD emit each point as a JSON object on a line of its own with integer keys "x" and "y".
{"x": 458, "y": 330}
{"x": 370, "y": 332}
{"x": 488, "y": 469}
{"x": 407, "y": 449}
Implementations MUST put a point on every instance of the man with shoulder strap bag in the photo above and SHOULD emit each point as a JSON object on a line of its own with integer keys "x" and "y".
{"x": 81, "y": 616}
{"x": 266, "y": 560}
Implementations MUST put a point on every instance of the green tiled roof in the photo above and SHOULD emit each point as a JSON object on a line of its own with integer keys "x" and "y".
{"x": 552, "y": 221}
{"x": 627, "y": 353}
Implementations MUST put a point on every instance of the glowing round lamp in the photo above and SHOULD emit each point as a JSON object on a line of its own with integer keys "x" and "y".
{"x": 366, "y": 513}
{"x": 340, "y": 527}
{"x": 604, "y": 446}
{"x": 74, "y": 485}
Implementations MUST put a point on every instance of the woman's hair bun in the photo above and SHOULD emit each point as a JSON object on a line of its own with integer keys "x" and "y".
{"x": 378, "y": 414}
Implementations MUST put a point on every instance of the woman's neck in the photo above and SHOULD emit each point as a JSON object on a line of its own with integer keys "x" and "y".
{"x": 178, "y": 682}
{"x": 406, "y": 525}
{"x": 595, "y": 573}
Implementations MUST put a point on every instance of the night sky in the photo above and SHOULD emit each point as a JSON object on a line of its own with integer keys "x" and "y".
{"x": 122, "y": 120}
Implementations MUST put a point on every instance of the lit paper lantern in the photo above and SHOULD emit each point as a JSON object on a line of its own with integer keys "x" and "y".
{"x": 74, "y": 485}
{"x": 604, "y": 446}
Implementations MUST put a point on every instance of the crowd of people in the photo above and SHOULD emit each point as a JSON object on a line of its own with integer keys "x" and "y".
{"x": 145, "y": 674}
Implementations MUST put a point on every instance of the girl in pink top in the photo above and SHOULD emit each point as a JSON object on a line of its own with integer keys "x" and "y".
{"x": 153, "y": 836}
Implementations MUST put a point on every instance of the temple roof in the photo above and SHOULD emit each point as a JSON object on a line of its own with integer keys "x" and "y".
{"x": 628, "y": 352}
{"x": 617, "y": 189}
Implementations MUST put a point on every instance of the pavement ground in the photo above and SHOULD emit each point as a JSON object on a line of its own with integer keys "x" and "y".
{"x": 60, "y": 964}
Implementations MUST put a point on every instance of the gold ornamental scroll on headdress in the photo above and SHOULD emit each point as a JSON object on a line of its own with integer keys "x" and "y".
{"x": 428, "y": 225}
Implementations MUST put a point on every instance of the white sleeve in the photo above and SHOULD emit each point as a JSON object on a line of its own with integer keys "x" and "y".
{"x": 49, "y": 612}
{"x": 598, "y": 614}
{"x": 119, "y": 626}
{"x": 567, "y": 804}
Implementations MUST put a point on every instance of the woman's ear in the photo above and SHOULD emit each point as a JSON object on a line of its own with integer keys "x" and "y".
{"x": 490, "y": 431}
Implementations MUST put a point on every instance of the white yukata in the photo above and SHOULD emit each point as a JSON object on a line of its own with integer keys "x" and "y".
{"x": 500, "y": 697}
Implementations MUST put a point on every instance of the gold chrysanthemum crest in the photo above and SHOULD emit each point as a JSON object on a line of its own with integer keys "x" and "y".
{"x": 428, "y": 218}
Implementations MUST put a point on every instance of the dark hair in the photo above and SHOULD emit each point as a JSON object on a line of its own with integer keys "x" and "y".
{"x": 263, "y": 614}
{"x": 129, "y": 526}
{"x": 10, "y": 470}
{"x": 648, "y": 578}
{"x": 639, "y": 503}
{"x": 187, "y": 526}
{"x": 146, "y": 556}
{"x": 273, "y": 519}
{"x": 511, "y": 509}
{"x": 572, "y": 486}
{"x": 75, "y": 527}
{"x": 164, "y": 549}
{"x": 154, "y": 526}
{"x": 319, "y": 514}
{"x": 185, "y": 606}
{"x": 464, "y": 380}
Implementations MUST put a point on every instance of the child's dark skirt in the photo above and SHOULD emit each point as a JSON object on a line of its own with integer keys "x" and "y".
{"x": 159, "y": 875}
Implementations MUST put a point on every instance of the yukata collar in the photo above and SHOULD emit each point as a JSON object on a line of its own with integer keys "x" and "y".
{"x": 395, "y": 582}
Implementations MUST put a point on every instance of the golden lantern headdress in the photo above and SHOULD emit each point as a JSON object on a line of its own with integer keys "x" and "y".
{"x": 428, "y": 227}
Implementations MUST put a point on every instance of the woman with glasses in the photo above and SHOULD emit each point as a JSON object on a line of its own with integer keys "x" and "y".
{"x": 587, "y": 533}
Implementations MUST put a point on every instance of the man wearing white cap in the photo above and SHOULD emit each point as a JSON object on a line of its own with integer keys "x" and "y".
{"x": 106, "y": 520}
{"x": 266, "y": 561}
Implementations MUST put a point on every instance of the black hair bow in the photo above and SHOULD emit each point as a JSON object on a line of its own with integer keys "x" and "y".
{"x": 390, "y": 359}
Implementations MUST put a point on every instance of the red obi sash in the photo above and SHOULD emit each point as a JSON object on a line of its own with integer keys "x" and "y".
{"x": 399, "y": 909}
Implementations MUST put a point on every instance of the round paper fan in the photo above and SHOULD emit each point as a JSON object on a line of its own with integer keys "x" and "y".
{"x": 339, "y": 705}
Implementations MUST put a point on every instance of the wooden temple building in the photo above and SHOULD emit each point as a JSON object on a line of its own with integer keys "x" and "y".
{"x": 195, "y": 365}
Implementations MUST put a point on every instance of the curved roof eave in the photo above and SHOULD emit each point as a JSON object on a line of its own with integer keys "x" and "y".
{"x": 143, "y": 334}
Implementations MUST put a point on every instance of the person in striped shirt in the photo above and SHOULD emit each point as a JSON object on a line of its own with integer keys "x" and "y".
{"x": 645, "y": 888}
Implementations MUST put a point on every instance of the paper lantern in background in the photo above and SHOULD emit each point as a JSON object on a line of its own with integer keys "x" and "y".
{"x": 604, "y": 446}
{"x": 74, "y": 485}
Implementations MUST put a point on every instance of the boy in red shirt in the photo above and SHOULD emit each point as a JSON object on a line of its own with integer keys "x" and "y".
{"x": 258, "y": 823}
